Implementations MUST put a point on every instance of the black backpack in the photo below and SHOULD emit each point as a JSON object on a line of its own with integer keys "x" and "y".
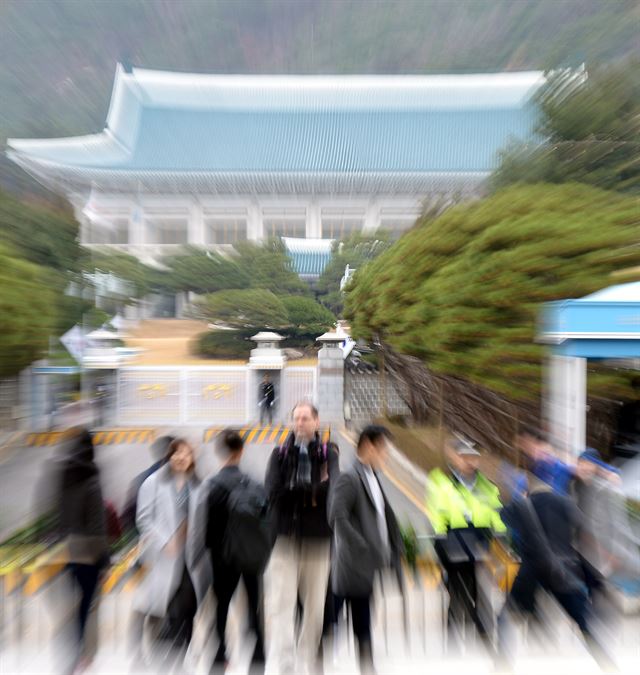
{"x": 248, "y": 538}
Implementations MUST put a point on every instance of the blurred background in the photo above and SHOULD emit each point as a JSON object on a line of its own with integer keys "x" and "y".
{"x": 452, "y": 208}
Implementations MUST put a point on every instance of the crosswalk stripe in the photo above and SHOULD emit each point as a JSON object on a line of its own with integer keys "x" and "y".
{"x": 252, "y": 434}
{"x": 274, "y": 433}
{"x": 263, "y": 434}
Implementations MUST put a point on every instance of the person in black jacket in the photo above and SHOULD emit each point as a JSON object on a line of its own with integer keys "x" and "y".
{"x": 366, "y": 535}
{"x": 300, "y": 475}
{"x": 226, "y": 576}
{"x": 82, "y": 526}
{"x": 266, "y": 399}
{"x": 547, "y": 523}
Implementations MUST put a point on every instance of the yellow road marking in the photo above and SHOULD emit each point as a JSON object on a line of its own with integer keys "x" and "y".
{"x": 274, "y": 433}
{"x": 264, "y": 433}
{"x": 252, "y": 435}
{"x": 97, "y": 439}
{"x": 120, "y": 437}
{"x": 109, "y": 437}
{"x": 284, "y": 435}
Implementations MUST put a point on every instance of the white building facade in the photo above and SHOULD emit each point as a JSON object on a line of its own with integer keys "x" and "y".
{"x": 209, "y": 160}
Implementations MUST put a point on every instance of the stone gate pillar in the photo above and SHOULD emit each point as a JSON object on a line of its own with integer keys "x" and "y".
{"x": 331, "y": 378}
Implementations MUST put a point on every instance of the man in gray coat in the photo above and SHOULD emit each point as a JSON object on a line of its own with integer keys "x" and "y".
{"x": 366, "y": 535}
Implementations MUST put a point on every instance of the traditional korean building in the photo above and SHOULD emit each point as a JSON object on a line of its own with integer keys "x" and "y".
{"x": 209, "y": 160}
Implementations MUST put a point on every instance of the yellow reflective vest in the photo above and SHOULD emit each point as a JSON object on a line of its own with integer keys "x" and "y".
{"x": 451, "y": 505}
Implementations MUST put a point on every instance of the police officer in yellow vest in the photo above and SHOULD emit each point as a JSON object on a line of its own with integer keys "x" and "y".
{"x": 463, "y": 506}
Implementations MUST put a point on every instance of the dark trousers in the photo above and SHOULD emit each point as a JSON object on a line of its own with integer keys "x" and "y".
{"x": 86, "y": 577}
{"x": 526, "y": 585}
{"x": 459, "y": 553}
{"x": 266, "y": 412}
{"x": 225, "y": 582}
{"x": 177, "y": 627}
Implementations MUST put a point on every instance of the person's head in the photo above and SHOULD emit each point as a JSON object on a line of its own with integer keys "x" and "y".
{"x": 160, "y": 448}
{"x": 373, "y": 446}
{"x": 79, "y": 445}
{"x": 266, "y": 378}
{"x": 533, "y": 443}
{"x": 181, "y": 456}
{"x": 230, "y": 446}
{"x": 588, "y": 465}
{"x": 462, "y": 456}
{"x": 306, "y": 421}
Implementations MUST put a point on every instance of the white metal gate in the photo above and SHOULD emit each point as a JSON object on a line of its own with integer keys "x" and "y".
{"x": 172, "y": 395}
{"x": 299, "y": 383}
{"x": 203, "y": 395}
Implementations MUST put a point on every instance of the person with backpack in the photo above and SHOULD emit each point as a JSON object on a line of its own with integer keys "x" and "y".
{"x": 548, "y": 523}
{"x": 300, "y": 475}
{"x": 238, "y": 538}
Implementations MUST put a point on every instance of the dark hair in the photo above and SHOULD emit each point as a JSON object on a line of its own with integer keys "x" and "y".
{"x": 231, "y": 441}
{"x": 160, "y": 448}
{"x": 173, "y": 448}
{"x": 374, "y": 433}
{"x": 533, "y": 432}
{"x": 306, "y": 404}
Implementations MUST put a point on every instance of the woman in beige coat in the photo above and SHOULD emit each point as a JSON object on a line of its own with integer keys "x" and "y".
{"x": 178, "y": 577}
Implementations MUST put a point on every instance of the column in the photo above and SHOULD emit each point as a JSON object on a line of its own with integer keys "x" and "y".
{"x": 255, "y": 231}
{"x": 314, "y": 221}
{"x": 331, "y": 383}
{"x": 371, "y": 217}
{"x": 195, "y": 226}
{"x": 567, "y": 404}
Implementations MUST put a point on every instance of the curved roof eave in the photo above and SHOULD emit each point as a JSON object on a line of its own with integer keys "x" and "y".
{"x": 74, "y": 180}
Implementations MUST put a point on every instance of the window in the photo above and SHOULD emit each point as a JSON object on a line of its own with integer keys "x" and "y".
{"x": 291, "y": 222}
{"x": 167, "y": 229}
{"x": 341, "y": 223}
{"x": 396, "y": 226}
{"x": 225, "y": 230}
{"x": 106, "y": 227}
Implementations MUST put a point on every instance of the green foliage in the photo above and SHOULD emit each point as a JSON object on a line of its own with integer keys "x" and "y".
{"x": 410, "y": 545}
{"x": 592, "y": 132}
{"x": 270, "y": 268}
{"x": 26, "y": 312}
{"x": 223, "y": 344}
{"x": 41, "y": 235}
{"x": 306, "y": 318}
{"x": 205, "y": 272}
{"x": 463, "y": 292}
{"x": 355, "y": 252}
{"x": 248, "y": 308}
{"x": 126, "y": 267}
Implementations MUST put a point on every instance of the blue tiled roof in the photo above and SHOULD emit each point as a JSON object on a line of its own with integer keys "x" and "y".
{"x": 163, "y": 123}
{"x": 309, "y": 257}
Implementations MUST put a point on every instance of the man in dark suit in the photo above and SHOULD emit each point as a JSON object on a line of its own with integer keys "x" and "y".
{"x": 366, "y": 535}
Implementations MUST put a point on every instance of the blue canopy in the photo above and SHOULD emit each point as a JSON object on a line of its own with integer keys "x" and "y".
{"x": 603, "y": 325}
